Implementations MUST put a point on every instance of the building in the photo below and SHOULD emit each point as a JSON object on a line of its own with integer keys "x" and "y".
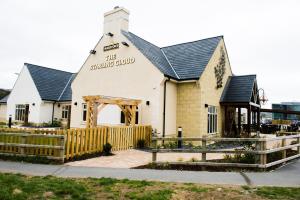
{"x": 3, "y": 108}
{"x": 286, "y": 106}
{"x": 128, "y": 80}
{"x": 40, "y": 95}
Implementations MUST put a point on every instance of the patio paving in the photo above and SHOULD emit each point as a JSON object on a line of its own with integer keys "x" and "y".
{"x": 134, "y": 158}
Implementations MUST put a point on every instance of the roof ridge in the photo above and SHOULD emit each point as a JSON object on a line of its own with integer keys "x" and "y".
{"x": 170, "y": 63}
{"x": 142, "y": 39}
{"x": 244, "y": 75}
{"x": 47, "y": 68}
{"x": 65, "y": 86}
{"x": 192, "y": 41}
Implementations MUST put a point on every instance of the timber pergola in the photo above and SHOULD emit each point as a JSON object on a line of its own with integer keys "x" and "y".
{"x": 96, "y": 103}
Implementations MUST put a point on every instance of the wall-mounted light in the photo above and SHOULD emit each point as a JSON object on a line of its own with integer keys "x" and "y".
{"x": 58, "y": 105}
{"x": 125, "y": 44}
{"x": 33, "y": 104}
{"x": 206, "y": 105}
{"x": 75, "y": 104}
{"x": 92, "y": 51}
{"x": 147, "y": 103}
{"x": 109, "y": 34}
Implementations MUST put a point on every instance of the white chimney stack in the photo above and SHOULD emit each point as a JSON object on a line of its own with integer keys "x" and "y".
{"x": 116, "y": 20}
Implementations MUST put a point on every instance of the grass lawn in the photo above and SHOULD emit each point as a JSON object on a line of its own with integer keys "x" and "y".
{"x": 15, "y": 186}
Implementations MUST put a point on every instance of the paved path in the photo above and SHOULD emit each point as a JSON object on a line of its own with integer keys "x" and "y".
{"x": 286, "y": 176}
{"x": 133, "y": 158}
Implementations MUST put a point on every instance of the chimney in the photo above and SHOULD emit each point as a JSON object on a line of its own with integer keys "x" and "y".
{"x": 116, "y": 20}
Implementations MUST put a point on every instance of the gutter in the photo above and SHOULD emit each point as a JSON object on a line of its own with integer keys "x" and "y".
{"x": 53, "y": 112}
{"x": 164, "y": 107}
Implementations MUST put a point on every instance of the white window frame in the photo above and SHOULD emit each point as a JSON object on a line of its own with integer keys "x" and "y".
{"x": 65, "y": 111}
{"x": 212, "y": 120}
{"x": 20, "y": 112}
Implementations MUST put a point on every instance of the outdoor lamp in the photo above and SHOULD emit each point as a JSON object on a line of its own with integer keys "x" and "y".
{"x": 109, "y": 34}
{"x": 125, "y": 44}
{"x": 75, "y": 104}
{"x": 92, "y": 51}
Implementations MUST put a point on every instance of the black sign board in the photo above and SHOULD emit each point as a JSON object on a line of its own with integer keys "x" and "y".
{"x": 111, "y": 47}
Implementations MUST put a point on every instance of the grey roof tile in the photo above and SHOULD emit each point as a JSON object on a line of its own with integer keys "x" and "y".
{"x": 181, "y": 61}
{"x": 238, "y": 89}
{"x": 51, "y": 83}
{"x": 190, "y": 59}
{"x": 152, "y": 52}
{"x": 4, "y": 99}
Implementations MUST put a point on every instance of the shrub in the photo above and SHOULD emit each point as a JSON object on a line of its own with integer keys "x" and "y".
{"x": 141, "y": 143}
{"x": 107, "y": 149}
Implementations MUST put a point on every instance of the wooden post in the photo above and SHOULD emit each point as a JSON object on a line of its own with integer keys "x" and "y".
{"x": 154, "y": 150}
{"x": 239, "y": 121}
{"x": 263, "y": 157}
{"x": 258, "y": 119}
{"x": 62, "y": 151}
{"x": 88, "y": 113}
{"x": 249, "y": 120}
{"x": 133, "y": 113}
{"x": 283, "y": 144}
{"x": 203, "y": 155}
{"x": 23, "y": 141}
{"x": 298, "y": 140}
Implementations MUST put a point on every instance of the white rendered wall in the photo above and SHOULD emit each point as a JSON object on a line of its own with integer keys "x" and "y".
{"x": 3, "y": 109}
{"x": 138, "y": 80}
{"x": 25, "y": 92}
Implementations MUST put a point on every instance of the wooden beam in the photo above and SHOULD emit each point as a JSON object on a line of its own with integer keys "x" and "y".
{"x": 239, "y": 121}
{"x": 249, "y": 120}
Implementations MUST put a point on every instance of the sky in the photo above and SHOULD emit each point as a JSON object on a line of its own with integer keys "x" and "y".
{"x": 261, "y": 36}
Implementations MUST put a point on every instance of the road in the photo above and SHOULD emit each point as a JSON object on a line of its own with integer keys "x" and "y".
{"x": 286, "y": 176}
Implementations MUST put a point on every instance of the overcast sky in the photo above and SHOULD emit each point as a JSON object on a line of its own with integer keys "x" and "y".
{"x": 262, "y": 37}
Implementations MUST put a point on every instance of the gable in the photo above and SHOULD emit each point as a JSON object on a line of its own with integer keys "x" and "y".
{"x": 239, "y": 89}
{"x": 24, "y": 89}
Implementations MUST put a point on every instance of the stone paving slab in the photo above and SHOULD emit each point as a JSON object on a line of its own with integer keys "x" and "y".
{"x": 134, "y": 158}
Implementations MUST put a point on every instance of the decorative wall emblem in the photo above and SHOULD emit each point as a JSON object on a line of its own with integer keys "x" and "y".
{"x": 220, "y": 69}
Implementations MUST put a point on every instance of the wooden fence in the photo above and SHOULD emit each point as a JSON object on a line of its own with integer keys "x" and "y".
{"x": 88, "y": 141}
{"x": 24, "y": 144}
{"x": 261, "y": 151}
{"x": 67, "y": 144}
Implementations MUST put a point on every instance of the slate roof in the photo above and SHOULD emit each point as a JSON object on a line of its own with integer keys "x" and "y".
{"x": 238, "y": 89}
{"x": 4, "y": 99}
{"x": 52, "y": 84}
{"x": 181, "y": 61}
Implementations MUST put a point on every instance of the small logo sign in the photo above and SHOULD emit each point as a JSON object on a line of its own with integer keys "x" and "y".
{"x": 111, "y": 47}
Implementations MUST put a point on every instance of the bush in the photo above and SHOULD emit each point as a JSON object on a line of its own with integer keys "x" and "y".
{"x": 107, "y": 149}
{"x": 141, "y": 144}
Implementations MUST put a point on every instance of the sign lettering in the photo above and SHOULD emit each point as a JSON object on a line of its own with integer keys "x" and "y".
{"x": 112, "y": 61}
{"x": 111, "y": 47}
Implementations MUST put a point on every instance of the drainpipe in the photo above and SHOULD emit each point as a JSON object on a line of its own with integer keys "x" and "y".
{"x": 53, "y": 112}
{"x": 164, "y": 108}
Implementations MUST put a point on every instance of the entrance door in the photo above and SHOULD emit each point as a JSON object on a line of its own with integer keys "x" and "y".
{"x": 26, "y": 114}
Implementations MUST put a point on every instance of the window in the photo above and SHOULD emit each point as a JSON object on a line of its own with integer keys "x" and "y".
{"x": 20, "y": 112}
{"x": 65, "y": 112}
{"x": 84, "y": 111}
{"x": 212, "y": 124}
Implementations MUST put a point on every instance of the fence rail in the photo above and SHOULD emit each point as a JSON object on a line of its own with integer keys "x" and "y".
{"x": 67, "y": 144}
{"x": 260, "y": 151}
{"x": 24, "y": 144}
